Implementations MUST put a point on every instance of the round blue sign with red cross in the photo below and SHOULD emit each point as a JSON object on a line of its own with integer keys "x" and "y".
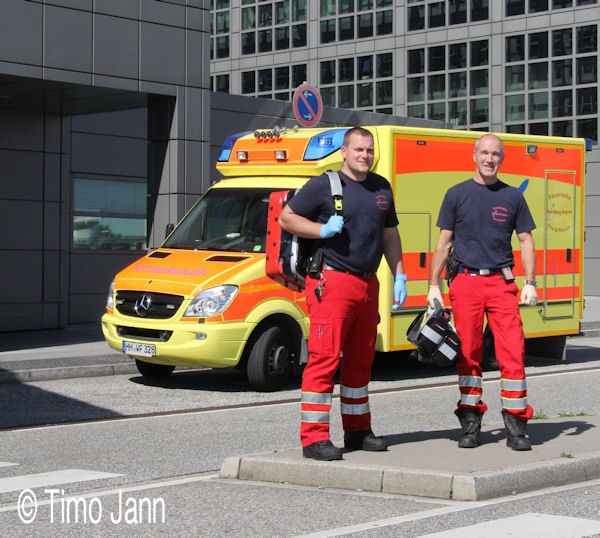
{"x": 308, "y": 106}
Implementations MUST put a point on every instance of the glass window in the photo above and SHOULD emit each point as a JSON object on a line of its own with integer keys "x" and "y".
{"x": 298, "y": 75}
{"x": 588, "y": 128}
{"x": 282, "y": 78}
{"x": 538, "y": 105}
{"x": 327, "y": 7}
{"x": 365, "y": 25}
{"x": 587, "y": 100}
{"x": 384, "y": 22}
{"x": 538, "y": 129}
{"x": 457, "y": 113}
{"x": 109, "y": 214}
{"x": 437, "y": 14}
{"x": 222, "y": 23}
{"x": 282, "y": 38}
{"x": 384, "y": 3}
{"x": 364, "y": 68}
{"x": 328, "y": 72}
{"x": 562, "y": 103}
{"x": 479, "y": 10}
{"x": 299, "y": 35}
{"x": 385, "y": 67}
{"x": 248, "y": 18}
{"x": 562, "y": 128}
{"x": 586, "y": 2}
{"x": 265, "y": 80}
{"x": 298, "y": 10}
{"x": 346, "y": 96}
{"x": 328, "y": 96}
{"x": 222, "y": 44}
{"x": 517, "y": 129}
{"x": 248, "y": 82}
{"x": 222, "y": 4}
{"x": 328, "y": 31}
{"x": 458, "y": 56}
{"x": 436, "y": 111}
{"x": 365, "y": 94}
{"x": 479, "y": 82}
{"x": 346, "y": 6}
{"x": 385, "y": 110}
{"x": 457, "y": 11}
{"x": 416, "y": 61}
{"x": 222, "y": 83}
{"x": 562, "y": 42}
{"x": 437, "y": 58}
{"x": 458, "y": 84}
{"x": 515, "y": 78}
{"x": 346, "y": 28}
{"x": 515, "y": 107}
{"x": 384, "y": 93}
{"x": 515, "y": 7}
{"x": 282, "y": 12}
{"x": 538, "y": 75}
{"x": 363, "y": 5}
{"x": 436, "y": 86}
{"x": 587, "y": 39}
{"x": 479, "y": 110}
{"x": 415, "y": 89}
{"x": 346, "y": 70}
{"x": 515, "y": 48}
{"x": 265, "y": 15}
{"x": 416, "y": 111}
{"x": 587, "y": 70}
{"x": 562, "y": 73}
{"x": 538, "y": 5}
{"x": 538, "y": 45}
{"x": 265, "y": 40}
{"x": 416, "y": 18}
{"x": 282, "y": 96}
{"x": 249, "y": 43}
{"x": 479, "y": 53}
{"x": 560, "y": 4}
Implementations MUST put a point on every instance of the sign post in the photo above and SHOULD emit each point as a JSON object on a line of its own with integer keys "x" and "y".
{"x": 308, "y": 106}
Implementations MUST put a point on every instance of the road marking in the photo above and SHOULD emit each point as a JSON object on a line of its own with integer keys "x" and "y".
{"x": 30, "y": 481}
{"x": 7, "y": 464}
{"x": 546, "y": 525}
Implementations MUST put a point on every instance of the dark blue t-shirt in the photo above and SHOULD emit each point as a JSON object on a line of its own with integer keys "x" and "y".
{"x": 368, "y": 208}
{"x": 483, "y": 218}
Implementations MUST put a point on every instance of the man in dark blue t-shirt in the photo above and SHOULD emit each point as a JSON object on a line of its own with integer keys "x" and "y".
{"x": 343, "y": 301}
{"x": 477, "y": 219}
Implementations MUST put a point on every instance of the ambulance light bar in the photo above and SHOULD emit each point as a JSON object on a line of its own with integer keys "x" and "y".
{"x": 227, "y": 146}
{"x": 324, "y": 144}
{"x": 588, "y": 144}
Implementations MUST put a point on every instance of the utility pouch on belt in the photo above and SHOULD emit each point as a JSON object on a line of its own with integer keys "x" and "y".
{"x": 315, "y": 264}
{"x": 451, "y": 266}
{"x": 507, "y": 274}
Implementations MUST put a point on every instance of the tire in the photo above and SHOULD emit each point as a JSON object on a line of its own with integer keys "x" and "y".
{"x": 270, "y": 360}
{"x": 489, "y": 361}
{"x": 154, "y": 371}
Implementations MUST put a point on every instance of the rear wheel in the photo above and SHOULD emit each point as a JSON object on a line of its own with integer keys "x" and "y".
{"x": 154, "y": 371}
{"x": 270, "y": 360}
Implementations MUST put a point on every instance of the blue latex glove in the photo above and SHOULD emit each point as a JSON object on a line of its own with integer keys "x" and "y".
{"x": 333, "y": 226}
{"x": 399, "y": 291}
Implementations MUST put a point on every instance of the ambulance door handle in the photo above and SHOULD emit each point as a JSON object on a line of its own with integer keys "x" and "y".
{"x": 568, "y": 255}
{"x": 422, "y": 259}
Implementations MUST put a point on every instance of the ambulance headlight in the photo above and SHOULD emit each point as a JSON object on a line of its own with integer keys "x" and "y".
{"x": 110, "y": 299}
{"x": 211, "y": 302}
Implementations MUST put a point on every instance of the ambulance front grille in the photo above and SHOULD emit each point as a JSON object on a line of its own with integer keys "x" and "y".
{"x": 148, "y": 305}
{"x": 150, "y": 335}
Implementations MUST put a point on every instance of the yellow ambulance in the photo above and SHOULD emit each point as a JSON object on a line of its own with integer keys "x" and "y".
{"x": 203, "y": 299}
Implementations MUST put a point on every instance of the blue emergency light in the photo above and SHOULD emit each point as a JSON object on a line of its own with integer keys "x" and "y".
{"x": 324, "y": 144}
{"x": 228, "y": 144}
{"x": 588, "y": 144}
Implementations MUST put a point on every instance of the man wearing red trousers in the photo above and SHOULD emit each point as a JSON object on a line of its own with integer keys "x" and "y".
{"x": 477, "y": 218}
{"x": 343, "y": 300}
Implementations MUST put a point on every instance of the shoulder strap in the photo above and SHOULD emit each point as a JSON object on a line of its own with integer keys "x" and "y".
{"x": 336, "y": 191}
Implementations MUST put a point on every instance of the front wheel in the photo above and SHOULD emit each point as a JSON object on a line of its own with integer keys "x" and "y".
{"x": 154, "y": 371}
{"x": 270, "y": 360}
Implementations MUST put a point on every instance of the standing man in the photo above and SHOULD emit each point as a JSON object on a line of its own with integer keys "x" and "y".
{"x": 343, "y": 302}
{"x": 477, "y": 218}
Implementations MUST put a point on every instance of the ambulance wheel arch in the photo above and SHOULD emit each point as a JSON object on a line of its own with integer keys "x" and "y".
{"x": 272, "y": 353}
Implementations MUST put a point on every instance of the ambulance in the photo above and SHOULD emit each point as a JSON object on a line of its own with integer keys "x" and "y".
{"x": 203, "y": 298}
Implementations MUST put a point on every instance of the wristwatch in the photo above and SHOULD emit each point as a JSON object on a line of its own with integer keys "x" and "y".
{"x": 531, "y": 282}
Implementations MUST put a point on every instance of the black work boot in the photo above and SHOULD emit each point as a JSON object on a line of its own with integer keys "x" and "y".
{"x": 470, "y": 422}
{"x": 364, "y": 440}
{"x": 322, "y": 450}
{"x": 516, "y": 432}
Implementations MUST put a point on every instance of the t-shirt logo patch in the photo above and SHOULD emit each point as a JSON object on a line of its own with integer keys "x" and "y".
{"x": 382, "y": 202}
{"x": 499, "y": 213}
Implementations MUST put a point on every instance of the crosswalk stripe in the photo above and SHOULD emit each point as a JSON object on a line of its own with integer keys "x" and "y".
{"x": 30, "y": 481}
{"x": 7, "y": 464}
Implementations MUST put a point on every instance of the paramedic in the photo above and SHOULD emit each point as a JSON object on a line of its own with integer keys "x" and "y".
{"x": 343, "y": 299}
{"x": 477, "y": 219}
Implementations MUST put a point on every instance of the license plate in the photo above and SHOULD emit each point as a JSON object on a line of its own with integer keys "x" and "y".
{"x": 141, "y": 350}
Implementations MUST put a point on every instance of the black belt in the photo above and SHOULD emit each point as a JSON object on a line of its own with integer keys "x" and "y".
{"x": 353, "y": 273}
{"x": 475, "y": 271}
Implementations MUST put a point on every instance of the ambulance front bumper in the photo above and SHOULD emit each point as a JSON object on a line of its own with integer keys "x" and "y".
{"x": 196, "y": 345}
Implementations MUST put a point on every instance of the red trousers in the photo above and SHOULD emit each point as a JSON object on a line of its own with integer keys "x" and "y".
{"x": 472, "y": 296}
{"x": 344, "y": 320}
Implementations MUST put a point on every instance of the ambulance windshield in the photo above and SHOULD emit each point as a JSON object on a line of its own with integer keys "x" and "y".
{"x": 225, "y": 219}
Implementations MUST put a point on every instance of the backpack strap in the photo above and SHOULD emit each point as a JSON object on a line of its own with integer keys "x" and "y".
{"x": 335, "y": 184}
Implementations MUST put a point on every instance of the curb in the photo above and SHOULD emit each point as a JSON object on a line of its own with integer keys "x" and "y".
{"x": 65, "y": 372}
{"x": 288, "y": 467}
